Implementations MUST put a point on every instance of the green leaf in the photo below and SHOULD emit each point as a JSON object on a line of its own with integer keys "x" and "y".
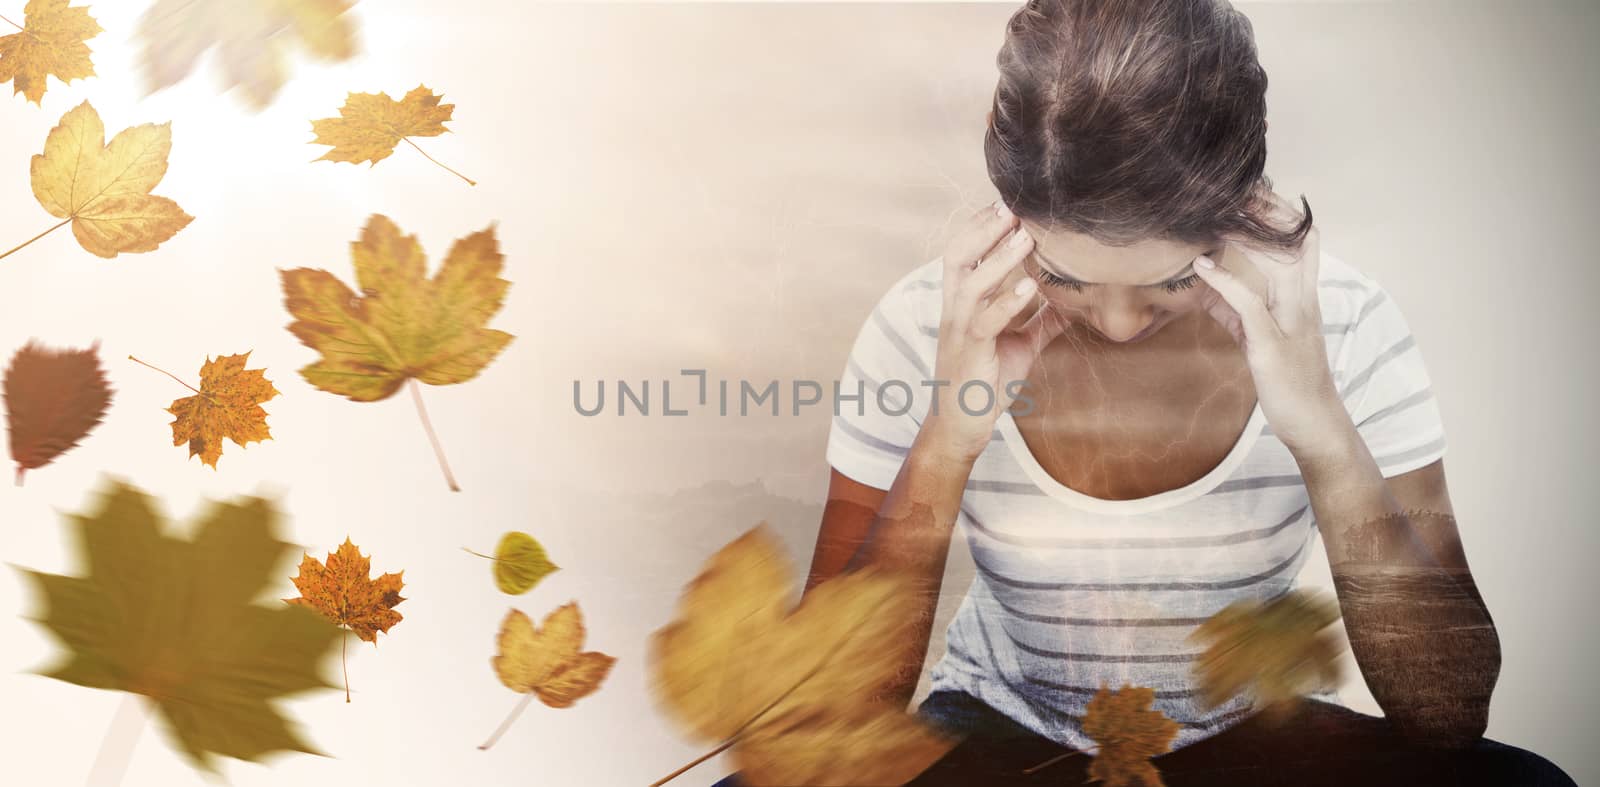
{"x": 519, "y": 563}
{"x": 177, "y": 621}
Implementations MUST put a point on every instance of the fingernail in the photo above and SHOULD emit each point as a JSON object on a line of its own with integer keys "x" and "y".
{"x": 1024, "y": 286}
{"x": 1018, "y": 238}
{"x": 1204, "y": 262}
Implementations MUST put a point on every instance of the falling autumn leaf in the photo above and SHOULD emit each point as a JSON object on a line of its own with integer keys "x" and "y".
{"x": 252, "y": 38}
{"x": 403, "y": 326}
{"x": 343, "y": 591}
{"x": 51, "y": 44}
{"x": 103, "y": 190}
{"x": 370, "y": 125}
{"x": 53, "y": 398}
{"x": 227, "y": 404}
{"x": 1278, "y": 648}
{"x": 519, "y": 563}
{"x": 175, "y": 621}
{"x": 1128, "y": 734}
{"x": 545, "y": 662}
{"x": 794, "y": 691}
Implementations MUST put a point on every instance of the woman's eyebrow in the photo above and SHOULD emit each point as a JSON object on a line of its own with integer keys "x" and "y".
{"x": 1052, "y": 269}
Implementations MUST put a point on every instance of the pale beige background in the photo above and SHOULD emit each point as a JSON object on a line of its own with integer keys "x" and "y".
{"x": 731, "y": 187}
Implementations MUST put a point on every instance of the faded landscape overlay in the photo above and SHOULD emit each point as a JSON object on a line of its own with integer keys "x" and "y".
{"x": 729, "y": 188}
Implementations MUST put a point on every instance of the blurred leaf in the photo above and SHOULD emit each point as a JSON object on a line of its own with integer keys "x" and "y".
{"x": 174, "y": 620}
{"x": 51, "y": 43}
{"x": 251, "y": 37}
{"x": 796, "y": 690}
{"x": 1277, "y": 648}
{"x": 53, "y": 398}
{"x": 1128, "y": 733}
{"x": 228, "y": 405}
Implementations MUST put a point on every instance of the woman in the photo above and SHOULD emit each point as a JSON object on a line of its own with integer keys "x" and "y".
{"x": 1202, "y": 392}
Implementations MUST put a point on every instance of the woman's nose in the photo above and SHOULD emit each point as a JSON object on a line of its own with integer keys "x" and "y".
{"x": 1120, "y": 321}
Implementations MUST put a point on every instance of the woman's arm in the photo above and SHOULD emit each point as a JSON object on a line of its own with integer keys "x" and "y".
{"x": 906, "y": 528}
{"x": 1418, "y": 627}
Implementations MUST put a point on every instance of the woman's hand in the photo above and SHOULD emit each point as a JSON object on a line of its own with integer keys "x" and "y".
{"x": 974, "y": 343}
{"x": 1278, "y": 323}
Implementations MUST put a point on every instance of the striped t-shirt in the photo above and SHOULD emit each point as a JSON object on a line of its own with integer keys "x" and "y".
{"x": 1073, "y": 591}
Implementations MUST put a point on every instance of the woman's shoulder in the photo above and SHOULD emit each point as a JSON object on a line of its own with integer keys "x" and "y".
{"x": 1345, "y": 293}
{"x": 912, "y": 303}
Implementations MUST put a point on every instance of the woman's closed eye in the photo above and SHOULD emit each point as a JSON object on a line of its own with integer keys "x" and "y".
{"x": 1077, "y": 286}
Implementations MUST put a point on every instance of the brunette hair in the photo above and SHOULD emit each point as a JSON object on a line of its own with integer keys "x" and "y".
{"x": 1130, "y": 120}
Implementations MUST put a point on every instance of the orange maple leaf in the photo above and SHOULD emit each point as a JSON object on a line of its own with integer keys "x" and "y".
{"x": 343, "y": 591}
{"x": 228, "y": 404}
{"x": 1129, "y": 734}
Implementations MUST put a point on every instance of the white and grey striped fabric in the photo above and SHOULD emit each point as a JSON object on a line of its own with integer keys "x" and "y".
{"x": 1073, "y": 591}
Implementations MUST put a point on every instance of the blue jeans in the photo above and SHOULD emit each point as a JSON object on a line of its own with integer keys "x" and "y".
{"x": 1321, "y": 745}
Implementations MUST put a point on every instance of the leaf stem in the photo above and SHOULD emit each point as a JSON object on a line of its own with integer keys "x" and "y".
{"x": 1052, "y": 761}
{"x": 64, "y": 223}
{"x": 122, "y": 736}
{"x": 702, "y": 758}
{"x": 479, "y": 554}
{"x": 438, "y": 450}
{"x": 169, "y": 374}
{"x": 505, "y": 725}
{"x": 344, "y": 641}
{"x": 470, "y": 181}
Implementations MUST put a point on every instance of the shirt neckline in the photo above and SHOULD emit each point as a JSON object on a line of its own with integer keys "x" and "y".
{"x": 1156, "y": 502}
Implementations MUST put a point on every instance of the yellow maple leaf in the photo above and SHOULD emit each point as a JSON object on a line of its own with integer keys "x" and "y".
{"x": 51, "y": 44}
{"x": 546, "y": 661}
{"x": 403, "y": 326}
{"x": 251, "y": 37}
{"x": 370, "y": 125}
{"x": 228, "y": 404}
{"x": 1128, "y": 733}
{"x": 797, "y": 691}
{"x": 103, "y": 190}
{"x": 344, "y": 592}
{"x": 1277, "y": 648}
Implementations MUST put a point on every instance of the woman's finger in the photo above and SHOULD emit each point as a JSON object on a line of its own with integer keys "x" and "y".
{"x": 993, "y": 318}
{"x": 982, "y": 230}
{"x": 986, "y": 227}
{"x": 998, "y": 264}
{"x": 1251, "y": 310}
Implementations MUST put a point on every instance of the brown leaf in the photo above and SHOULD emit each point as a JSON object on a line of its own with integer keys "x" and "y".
{"x": 53, "y": 398}
{"x": 1129, "y": 733}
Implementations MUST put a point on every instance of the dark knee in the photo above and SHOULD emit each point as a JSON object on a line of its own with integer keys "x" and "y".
{"x": 1501, "y": 763}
